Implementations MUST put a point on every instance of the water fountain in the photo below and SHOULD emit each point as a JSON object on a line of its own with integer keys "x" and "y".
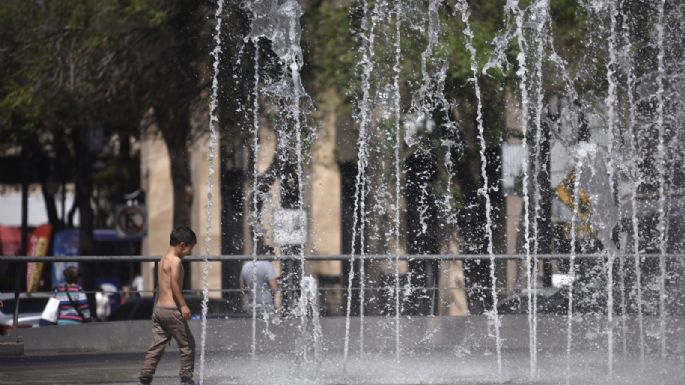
{"x": 618, "y": 141}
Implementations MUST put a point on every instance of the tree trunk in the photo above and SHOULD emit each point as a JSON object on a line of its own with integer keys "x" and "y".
{"x": 84, "y": 189}
{"x": 43, "y": 171}
{"x": 174, "y": 123}
{"x": 232, "y": 233}
{"x": 348, "y": 172}
{"x": 471, "y": 223}
{"x": 50, "y": 206}
{"x": 175, "y": 127}
{"x": 182, "y": 187}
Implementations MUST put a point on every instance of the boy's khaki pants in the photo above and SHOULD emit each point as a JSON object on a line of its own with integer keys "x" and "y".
{"x": 167, "y": 323}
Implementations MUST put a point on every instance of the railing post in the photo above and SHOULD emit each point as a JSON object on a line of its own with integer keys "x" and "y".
{"x": 17, "y": 289}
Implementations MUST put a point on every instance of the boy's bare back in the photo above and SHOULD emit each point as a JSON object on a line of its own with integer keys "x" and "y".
{"x": 170, "y": 269}
{"x": 170, "y": 278}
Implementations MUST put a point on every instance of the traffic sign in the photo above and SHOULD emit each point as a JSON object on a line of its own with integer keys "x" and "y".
{"x": 131, "y": 221}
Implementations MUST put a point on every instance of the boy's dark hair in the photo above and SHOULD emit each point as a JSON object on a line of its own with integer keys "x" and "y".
{"x": 182, "y": 234}
{"x": 70, "y": 274}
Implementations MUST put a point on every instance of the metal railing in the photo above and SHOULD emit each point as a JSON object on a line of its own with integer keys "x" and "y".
{"x": 313, "y": 258}
{"x": 337, "y": 257}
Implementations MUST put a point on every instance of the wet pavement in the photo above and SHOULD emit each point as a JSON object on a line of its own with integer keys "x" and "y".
{"x": 122, "y": 369}
{"x": 418, "y": 368}
{"x": 78, "y": 369}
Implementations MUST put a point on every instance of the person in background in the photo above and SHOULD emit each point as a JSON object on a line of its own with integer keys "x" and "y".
{"x": 73, "y": 304}
{"x": 265, "y": 276}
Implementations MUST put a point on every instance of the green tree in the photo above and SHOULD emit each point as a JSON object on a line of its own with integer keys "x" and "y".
{"x": 80, "y": 72}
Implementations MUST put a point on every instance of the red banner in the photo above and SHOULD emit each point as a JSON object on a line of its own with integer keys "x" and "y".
{"x": 10, "y": 237}
{"x": 39, "y": 244}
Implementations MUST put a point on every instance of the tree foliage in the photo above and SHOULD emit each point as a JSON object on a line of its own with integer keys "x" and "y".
{"x": 79, "y": 74}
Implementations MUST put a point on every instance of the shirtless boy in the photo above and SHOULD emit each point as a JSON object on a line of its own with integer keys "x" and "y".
{"x": 171, "y": 314}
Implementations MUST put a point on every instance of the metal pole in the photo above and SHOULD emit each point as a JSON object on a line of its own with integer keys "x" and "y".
{"x": 337, "y": 257}
{"x": 17, "y": 288}
{"x": 24, "y": 230}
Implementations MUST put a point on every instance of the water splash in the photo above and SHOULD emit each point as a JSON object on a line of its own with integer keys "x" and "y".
{"x": 604, "y": 219}
{"x": 278, "y": 21}
{"x": 616, "y": 150}
{"x": 462, "y": 8}
{"x": 530, "y": 90}
{"x": 310, "y": 327}
{"x": 213, "y": 123}
{"x": 359, "y": 215}
{"x": 634, "y": 172}
{"x": 513, "y": 7}
{"x": 398, "y": 142}
{"x": 611, "y": 117}
{"x": 255, "y": 192}
{"x": 430, "y": 98}
{"x": 540, "y": 17}
{"x": 572, "y": 262}
{"x": 661, "y": 159}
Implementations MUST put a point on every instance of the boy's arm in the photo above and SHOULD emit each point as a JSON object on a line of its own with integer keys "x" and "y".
{"x": 273, "y": 281}
{"x": 273, "y": 284}
{"x": 176, "y": 289}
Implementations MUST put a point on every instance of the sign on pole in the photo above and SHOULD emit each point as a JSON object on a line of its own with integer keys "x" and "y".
{"x": 290, "y": 227}
{"x": 131, "y": 221}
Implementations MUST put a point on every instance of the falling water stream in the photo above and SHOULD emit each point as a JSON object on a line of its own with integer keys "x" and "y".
{"x": 612, "y": 72}
{"x": 611, "y": 112}
{"x": 596, "y": 170}
{"x": 255, "y": 192}
{"x": 540, "y": 17}
{"x": 213, "y": 123}
{"x": 513, "y": 6}
{"x": 359, "y": 215}
{"x": 577, "y": 173}
{"x": 398, "y": 176}
{"x": 634, "y": 172}
{"x": 661, "y": 165}
{"x": 462, "y": 7}
{"x": 522, "y": 73}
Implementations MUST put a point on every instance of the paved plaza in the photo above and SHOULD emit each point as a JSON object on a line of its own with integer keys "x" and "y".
{"x": 430, "y": 368}
{"x": 433, "y": 350}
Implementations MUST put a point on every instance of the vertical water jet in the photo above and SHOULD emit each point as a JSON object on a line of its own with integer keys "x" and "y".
{"x": 484, "y": 191}
{"x": 255, "y": 191}
{"x": 397, "y": 144}
{"x": 661, "y": 160}
{"x": 213, "y": 123}
{"x": 610, "y": 102}
{"x": 634, "y": 171}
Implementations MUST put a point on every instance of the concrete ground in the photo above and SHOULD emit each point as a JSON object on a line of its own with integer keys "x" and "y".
{"x": 118, "y": 368}
{"x": 433, "y": 350}
{"x": 223, "y": 368}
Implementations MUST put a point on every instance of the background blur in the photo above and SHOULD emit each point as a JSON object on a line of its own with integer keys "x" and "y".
{"x": 104, "y": 116}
